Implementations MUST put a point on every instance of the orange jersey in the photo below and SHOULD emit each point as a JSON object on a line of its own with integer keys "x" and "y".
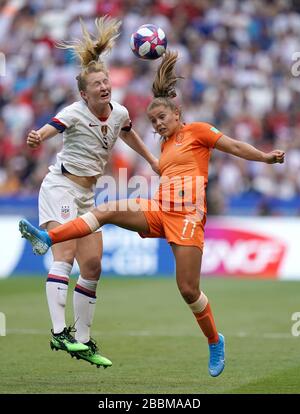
{"x": 184, "y": 166}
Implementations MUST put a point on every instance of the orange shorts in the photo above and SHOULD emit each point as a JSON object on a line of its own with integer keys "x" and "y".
{"x": 177, "y": 227}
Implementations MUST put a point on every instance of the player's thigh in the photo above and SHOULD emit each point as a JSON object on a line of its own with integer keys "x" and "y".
{"x": 57, "y": 199}
{"x": 88, "y": 255}
{"x": 188, "y": 265}
{"x": 65, "y": 251}
{"x": 123, "y": 213}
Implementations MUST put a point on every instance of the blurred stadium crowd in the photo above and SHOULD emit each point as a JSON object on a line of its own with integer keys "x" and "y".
{"x": 236, "y": 58}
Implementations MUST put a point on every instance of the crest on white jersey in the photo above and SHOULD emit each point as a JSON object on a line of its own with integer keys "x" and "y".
{"x": 65, "y": 212}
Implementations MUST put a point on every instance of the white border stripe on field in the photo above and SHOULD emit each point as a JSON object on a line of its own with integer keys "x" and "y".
{"x": 270, "y": 335}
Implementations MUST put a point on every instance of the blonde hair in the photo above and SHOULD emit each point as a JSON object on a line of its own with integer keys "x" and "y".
{"x": 163, "y": 87}
{"x": 90, "y": 49}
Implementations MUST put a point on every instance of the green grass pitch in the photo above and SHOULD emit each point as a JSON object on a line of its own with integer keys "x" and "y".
{"x": 155, "y": 344}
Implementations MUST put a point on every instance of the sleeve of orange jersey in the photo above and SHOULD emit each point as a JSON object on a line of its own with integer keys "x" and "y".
{"x": 206, "y": 134}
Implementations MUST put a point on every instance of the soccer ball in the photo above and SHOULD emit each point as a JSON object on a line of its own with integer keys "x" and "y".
{"x": 148, "y": 42}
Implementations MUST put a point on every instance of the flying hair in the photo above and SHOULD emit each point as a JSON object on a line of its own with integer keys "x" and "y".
{"x": 163, "y": 87}
{"x": 166, "y": 78}
{"x": 90, "y": 48}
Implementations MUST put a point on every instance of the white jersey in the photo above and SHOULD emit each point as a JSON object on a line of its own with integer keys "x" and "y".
{"x": 87, "y": 140}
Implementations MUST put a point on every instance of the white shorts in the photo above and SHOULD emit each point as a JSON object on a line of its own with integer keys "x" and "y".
{"x": 62, "y": 200}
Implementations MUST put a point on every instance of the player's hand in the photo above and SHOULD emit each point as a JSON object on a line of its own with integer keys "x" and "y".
{"x": 276, "y": 156}
{"x": 34, "y": 139}
{"x": 155, "y": 166}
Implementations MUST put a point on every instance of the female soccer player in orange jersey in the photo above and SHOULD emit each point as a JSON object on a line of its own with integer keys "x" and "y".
{"x": 178, "y": 210}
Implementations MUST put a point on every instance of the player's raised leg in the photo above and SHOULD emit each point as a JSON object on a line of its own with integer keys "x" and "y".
{"x": 124, "y": 213}
{"x": 188, "y": 266}
{"x": 39, "y": 239}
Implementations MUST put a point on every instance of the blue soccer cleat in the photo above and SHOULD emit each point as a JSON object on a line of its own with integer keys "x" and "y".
{"x": 38, "y": 238}
{"x": 217, "y": 357}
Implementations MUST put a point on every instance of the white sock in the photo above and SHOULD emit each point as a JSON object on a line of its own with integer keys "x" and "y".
{"x": 56, "y": 291}
{"x": 84, "y": 301}
{"x": 200, "y": 304}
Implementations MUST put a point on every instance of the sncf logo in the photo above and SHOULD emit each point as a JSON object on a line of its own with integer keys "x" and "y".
{"x": 241, "y": 253}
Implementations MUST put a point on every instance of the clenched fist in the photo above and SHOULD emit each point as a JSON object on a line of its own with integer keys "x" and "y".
{"x": 34, "y": 139}
{"x": 276, "y": 156}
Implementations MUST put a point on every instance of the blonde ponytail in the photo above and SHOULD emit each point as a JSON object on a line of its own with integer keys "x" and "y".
{"x": 90, "y": 49}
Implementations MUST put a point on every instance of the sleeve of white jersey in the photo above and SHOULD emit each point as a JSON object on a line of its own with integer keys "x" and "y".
{"x": 127, "y": 124}
{"x": 62, "y": 120}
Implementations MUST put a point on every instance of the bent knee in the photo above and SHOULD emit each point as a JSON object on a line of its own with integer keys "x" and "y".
{"x": 189, "y": 293}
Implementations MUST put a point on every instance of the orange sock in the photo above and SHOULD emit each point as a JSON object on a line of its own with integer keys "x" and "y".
{"x": 72, "y": 230}
{"x": 206, "y": 322}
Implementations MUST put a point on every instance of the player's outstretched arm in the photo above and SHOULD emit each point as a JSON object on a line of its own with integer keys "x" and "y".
{"x": 248, "y": 152}
{"x": 133, "y": 140}
{"x": 35, "y": 138}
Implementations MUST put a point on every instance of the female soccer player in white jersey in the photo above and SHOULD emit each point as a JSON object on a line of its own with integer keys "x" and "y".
{"x": 90, "y": 128}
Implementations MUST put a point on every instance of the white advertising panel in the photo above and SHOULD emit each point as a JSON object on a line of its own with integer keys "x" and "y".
{"x": 238, "y": 246}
